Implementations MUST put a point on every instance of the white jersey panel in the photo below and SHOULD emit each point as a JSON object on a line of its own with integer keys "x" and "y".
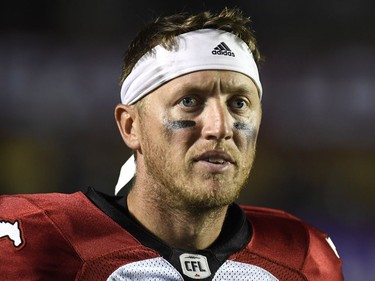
{"x": 156, "y": 269}
{"x": 232, "y": 270}
{"x": 159, "y": 269}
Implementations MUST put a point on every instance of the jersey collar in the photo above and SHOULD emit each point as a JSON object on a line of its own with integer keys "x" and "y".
{"x": 235, "y": 235}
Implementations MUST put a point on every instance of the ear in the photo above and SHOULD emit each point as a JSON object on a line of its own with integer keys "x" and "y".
{"x": 126, "y": 118}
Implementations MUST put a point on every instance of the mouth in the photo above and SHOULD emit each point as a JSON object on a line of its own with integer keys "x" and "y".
{"x": 215, "y": 160}
{"x": 219, "y": 158}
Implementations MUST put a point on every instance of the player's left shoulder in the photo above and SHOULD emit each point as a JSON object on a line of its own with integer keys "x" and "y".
{"x": 304, "y": 246}
{"x": 276, "y": 231}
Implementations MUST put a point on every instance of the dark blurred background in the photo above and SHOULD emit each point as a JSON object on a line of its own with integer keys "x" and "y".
{"x": 60, "y": 63}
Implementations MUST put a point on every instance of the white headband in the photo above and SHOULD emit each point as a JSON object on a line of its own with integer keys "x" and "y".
{"x": 204, "y": 49}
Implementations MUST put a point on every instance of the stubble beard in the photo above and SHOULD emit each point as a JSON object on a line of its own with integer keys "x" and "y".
{"x": 178, "y": 187}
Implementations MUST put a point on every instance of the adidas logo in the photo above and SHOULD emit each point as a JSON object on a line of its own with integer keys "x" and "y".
{"x": 223, "y": 49}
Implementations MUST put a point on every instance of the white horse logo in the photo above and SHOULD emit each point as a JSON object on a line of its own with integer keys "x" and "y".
{"x": 12, "y": 231}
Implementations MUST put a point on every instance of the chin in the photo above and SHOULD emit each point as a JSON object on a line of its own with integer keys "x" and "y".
{"x": 212, "y": 203}
{"x": 215, "y": 196}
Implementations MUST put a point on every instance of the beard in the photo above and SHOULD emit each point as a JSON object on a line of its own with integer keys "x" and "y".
{"x": 175, "y": 184}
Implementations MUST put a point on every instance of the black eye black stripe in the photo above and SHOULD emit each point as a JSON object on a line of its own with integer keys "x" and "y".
{"x": 180, "y": 124}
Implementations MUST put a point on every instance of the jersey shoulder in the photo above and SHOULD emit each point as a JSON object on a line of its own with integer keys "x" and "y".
{"x": 27, "y": 204}
{"x": 287, "y": 240}
{"x": 62, "y": 235}
{"x": 31, "y": 241}
{"x": 72, "y": 216}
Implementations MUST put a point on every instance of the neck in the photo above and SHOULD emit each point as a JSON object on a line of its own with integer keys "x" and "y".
{"x": 183, "y": 227}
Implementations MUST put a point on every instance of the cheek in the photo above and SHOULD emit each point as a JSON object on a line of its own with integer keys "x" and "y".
{"x": 179, "y": 137}
{"x": 247, "y": 131}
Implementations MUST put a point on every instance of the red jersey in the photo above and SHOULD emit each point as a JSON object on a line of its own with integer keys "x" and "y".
{"x": 92, "y": 237}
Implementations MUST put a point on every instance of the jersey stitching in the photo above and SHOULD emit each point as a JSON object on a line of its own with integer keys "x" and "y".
{"x": 58, "y": 229}
{"x": 307, "y": 251}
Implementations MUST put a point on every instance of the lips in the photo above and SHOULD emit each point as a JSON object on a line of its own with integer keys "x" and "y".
{"x": 215, "y": 157}
{"x": 216, "y": 160}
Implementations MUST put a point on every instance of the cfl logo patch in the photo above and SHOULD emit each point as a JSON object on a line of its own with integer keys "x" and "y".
{"x": 195, "y": 266}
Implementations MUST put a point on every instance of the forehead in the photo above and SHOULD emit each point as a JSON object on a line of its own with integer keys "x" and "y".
{"x": 210, "y": 80}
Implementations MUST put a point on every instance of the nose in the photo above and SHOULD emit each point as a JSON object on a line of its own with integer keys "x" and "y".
{"x": 217, "y": 121}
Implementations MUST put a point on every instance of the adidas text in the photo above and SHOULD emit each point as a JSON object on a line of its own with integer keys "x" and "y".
{"x": 224, "y": 53}
{"x": 223, "y": 49}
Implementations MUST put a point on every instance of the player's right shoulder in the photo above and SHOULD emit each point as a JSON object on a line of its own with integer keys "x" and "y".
{"x": 31, "y": 241}
{"x": 31, "y": 213}
{"x": 54, "y": 210}
{"x": 24, "y": 205}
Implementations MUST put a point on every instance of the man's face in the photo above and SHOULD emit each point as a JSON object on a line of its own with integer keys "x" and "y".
{"x": 197, "y": 137}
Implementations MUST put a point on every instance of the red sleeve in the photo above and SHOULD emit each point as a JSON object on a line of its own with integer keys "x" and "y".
{"x": 322, "y": 261}
{"x": 31, "y": 245}
{"x": 288, "y": 241}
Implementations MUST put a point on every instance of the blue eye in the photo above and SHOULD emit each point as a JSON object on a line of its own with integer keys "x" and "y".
{"x": 188, "y": 102}
{"x": 238, "y": 103}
